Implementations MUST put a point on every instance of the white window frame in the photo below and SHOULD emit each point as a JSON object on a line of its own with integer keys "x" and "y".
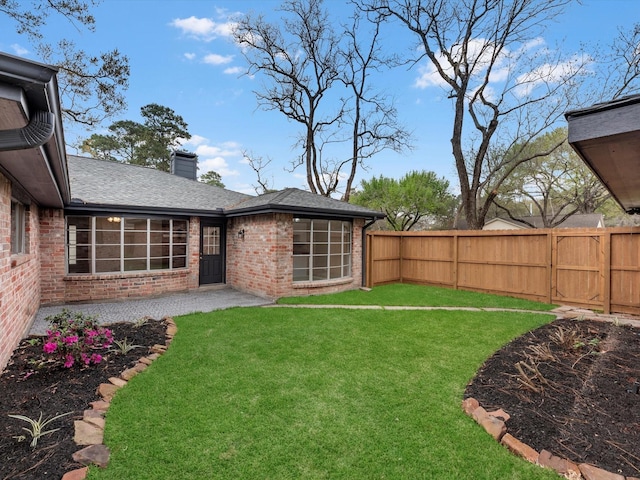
{"x": 118, "y": 246}
{"x": 318, "y": 255}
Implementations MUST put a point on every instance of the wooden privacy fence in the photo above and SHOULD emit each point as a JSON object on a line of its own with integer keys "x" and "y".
{"x": 592, "y": 268}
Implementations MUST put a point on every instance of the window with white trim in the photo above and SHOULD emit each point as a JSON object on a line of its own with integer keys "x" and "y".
{"x": 125, "y": 244}
{"x": 321, "y": 249}
{"x": 18, "y": 227}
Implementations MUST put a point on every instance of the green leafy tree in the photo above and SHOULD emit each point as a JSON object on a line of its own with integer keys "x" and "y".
{"x": 212, "y": 178}
{"x": 149, "y": 143}
{"x": 554, "y": 186}
{"x": 91, "y": 85}
{"x": 164, "y": 130}
{"x": 121, "y": 144}
{"x": 416, "y": 196}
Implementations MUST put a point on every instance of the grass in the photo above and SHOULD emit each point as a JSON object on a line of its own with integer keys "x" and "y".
{"x": 417, "y": 295}
{"x": 265, "y": 393}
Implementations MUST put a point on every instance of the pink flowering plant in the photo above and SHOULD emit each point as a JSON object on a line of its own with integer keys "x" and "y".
{"x": 76, "y": 338}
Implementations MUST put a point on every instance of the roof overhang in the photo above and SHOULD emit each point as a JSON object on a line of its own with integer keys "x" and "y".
{"x": 78, "y": 208}
{"x": 607, "y": 138}
{"x": 302, "y": 211}
{"x": 32, "y": 150}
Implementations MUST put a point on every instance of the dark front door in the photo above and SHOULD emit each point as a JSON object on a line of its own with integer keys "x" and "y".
{"x": 211, "y": 253}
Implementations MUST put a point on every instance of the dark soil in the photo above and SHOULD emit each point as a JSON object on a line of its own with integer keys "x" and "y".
{"x": 30, "y": 386}
{"x": 577, "y": 394}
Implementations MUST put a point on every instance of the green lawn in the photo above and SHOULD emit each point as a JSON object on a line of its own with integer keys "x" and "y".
{"x": 276, "y": 393}
{"x": 417, "y": 295}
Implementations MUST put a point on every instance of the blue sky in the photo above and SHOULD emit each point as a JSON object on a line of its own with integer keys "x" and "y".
{"x": 181, "y": 57}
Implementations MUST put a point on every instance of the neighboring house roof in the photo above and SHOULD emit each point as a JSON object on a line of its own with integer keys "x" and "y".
{"x": 102, "y": 185}
{"x": 32, "y": 151}
{"x": 106, "y": 185}
{"x": 503, "y": 224}
{"x": 578, "y": 220}
{"x": 296, "y": 201}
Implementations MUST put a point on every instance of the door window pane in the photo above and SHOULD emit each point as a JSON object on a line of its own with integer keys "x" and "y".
{"x": 210, "y": 240}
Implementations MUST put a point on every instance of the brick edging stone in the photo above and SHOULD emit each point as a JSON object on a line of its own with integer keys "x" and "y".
{"x": 89, "y": 431}
{"x": 494, "y": 423}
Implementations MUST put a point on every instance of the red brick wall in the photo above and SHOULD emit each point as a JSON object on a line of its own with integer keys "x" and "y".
{"x": 19, "y": 277}
{"x": 261, "y": 262}
{"x": 57, "y": 287}
{"x": 52, "y": 266}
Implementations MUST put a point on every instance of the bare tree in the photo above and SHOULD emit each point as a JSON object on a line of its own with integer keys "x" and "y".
{"x": 622, "y": 65}
{"x": 307, "y": 66}
{"x": 482, "y": 52}
{"x": 373, "y": 114}
{"x": 299, "y": 60}
{"x": 258, "y": 165}
{"x": 91, "y": 86}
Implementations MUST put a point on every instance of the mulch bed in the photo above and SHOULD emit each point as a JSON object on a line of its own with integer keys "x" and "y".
{"x": 572, "y": 388}
{"x": 30, "y": 386}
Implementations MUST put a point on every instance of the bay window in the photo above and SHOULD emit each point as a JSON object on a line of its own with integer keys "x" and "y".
{"x": 321, "y": 249}
{"x": 125, "y": 244}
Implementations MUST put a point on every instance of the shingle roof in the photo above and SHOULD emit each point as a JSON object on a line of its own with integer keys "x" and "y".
{"x": 294, "y": 200}
{"x": 101, "y": 184}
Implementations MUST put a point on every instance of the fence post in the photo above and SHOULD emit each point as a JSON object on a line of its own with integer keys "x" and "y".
{"x": 368, "y": 259}
{"x": 605, "y": 272}
{"x": 401, "y": 256}
{"x": 455, "y": 261}
{"x": 550, "y": 266}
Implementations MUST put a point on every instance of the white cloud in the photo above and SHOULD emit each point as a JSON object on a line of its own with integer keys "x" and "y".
{"x": 234, "y": 70}
{"x": 190, "y": 56}
{"x": 429, "y": 77}
{"x": 502, "y": 67}
{"x": 215, "y": 59}
{"x": 203, "y": 28}
{"x": 551, "y": 74}
{"x": 19, "y": 50}
{"x": 215, "y": 157}
{"x": 217, "y": 164}
{"x": 533, "y": 43}
{"x": 196, "y": 140}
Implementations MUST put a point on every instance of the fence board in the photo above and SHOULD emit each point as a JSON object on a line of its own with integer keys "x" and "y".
{"x": 593, "y": 268}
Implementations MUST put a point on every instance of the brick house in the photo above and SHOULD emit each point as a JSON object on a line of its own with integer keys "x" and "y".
{"x": 80, "y": 229}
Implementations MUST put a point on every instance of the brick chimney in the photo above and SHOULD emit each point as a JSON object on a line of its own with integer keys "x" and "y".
{"x": 184, "y": 164}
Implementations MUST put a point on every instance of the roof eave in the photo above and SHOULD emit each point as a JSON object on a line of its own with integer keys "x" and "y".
{"x": 47, "y": 157}
{"x": 606, "y": 137}
{"x": 88, "y": 208}
{"x": 271, "y": 208}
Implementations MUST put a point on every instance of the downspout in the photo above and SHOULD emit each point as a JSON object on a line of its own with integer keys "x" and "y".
{"x": 364, "y": 250}
{"x": 35, "y": 134}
